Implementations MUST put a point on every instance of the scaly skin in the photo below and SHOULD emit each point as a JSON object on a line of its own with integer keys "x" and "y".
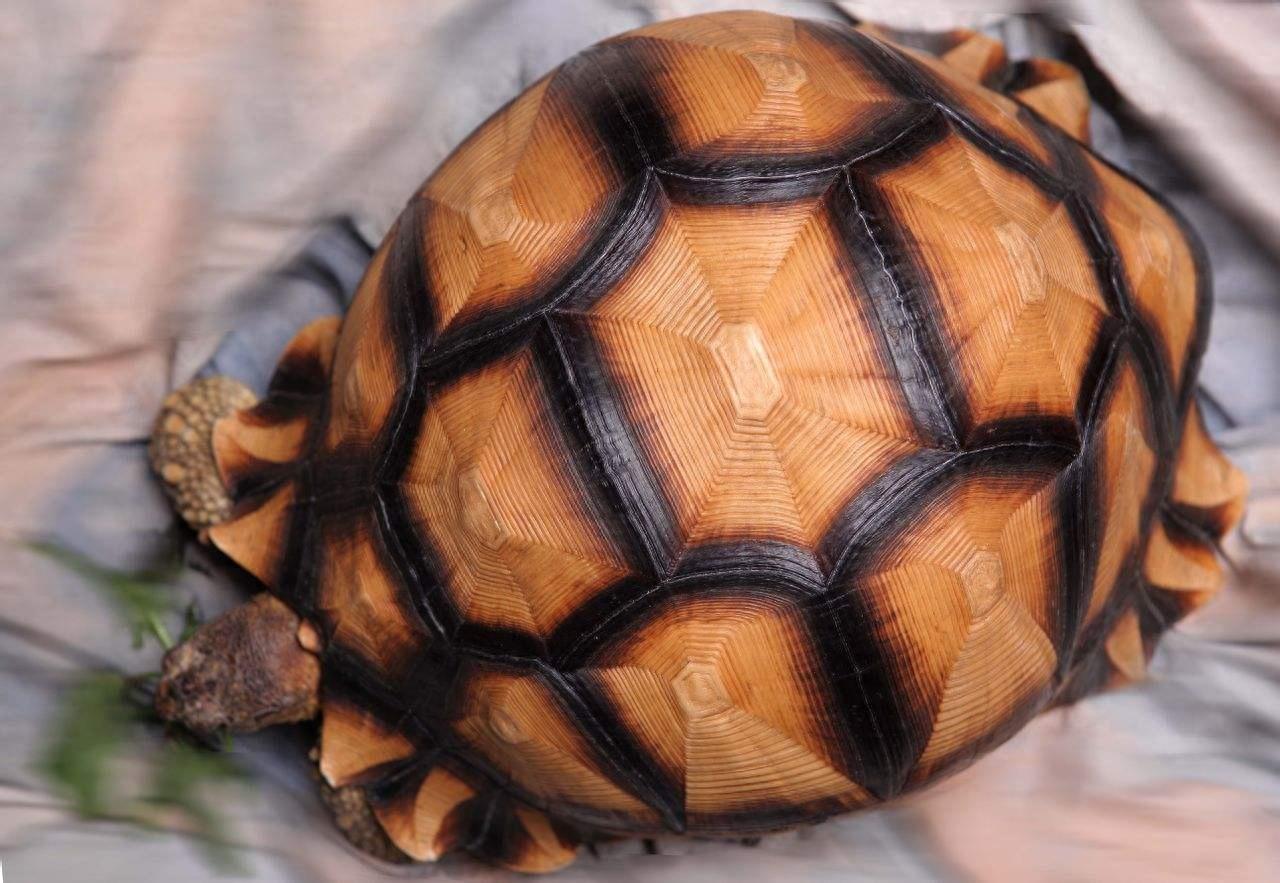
{"x": 241, "y": 672}
{"x": 181, "y": 448}
{"x": 256, "y": 665}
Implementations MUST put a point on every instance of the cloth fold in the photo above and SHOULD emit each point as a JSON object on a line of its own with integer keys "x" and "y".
{"x": 163, "y": 162}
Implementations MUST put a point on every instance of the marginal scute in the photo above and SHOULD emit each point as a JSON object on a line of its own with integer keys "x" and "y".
{"x": 1185, "y": 565}
{"x": 245, "y": 445}
{"x": 986, "y": 108}
{"x": 1056, "y": 91}
{"x": 1207, "y": 487}
{"x": 259, "y": 449}
{"x": 308, "y": 358}
{"x": 429, "y": 812}
{"x": 1181, "y": 569}
{"x": 1125, "y": 649}
{"x": 975, "y": 55}
{"x": 424, "y": 822}
{"x": 1127, "y": 458}
{"x": 256, "y": 446}
{"x": 349, "y": 806}
{"x": 353, "y": 742}
{"x": 545, "y": 849}
{"x": 256, "y": 537}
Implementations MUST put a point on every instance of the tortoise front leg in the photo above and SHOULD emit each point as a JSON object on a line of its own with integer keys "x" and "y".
{"x": 181, "y": 448}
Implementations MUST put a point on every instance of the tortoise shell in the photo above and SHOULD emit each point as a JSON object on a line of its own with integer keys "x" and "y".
{"x": 752, "y": 421}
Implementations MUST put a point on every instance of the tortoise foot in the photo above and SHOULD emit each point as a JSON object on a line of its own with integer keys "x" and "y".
{"x": 181, "y": 448}
{"x": 351, "y": 812}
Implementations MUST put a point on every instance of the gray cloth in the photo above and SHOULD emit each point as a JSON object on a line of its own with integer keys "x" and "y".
{"x": 1175, "y": 778}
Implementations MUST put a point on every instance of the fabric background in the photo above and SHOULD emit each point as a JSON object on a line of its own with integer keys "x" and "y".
{"x": 169, "y": 169}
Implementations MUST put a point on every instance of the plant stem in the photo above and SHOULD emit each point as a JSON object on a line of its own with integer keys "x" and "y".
{"x": 158, "y": 629}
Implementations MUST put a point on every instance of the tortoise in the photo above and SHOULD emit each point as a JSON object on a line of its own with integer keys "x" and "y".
{"x": 755, "y": 420}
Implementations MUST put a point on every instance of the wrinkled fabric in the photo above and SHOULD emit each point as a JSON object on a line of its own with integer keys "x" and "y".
{"x": 175, "y": 190}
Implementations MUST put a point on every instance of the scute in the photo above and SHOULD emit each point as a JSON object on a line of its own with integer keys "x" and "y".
{"x": 519, "y": 726}
{"x": 1022, "y": 343}
{"x": 1158, "y": 264}
{"x": 764, "y": 356}
{"x": 493, "y": 486}
{"x": 752, "y": 421}
{"x": 498, "y": 229}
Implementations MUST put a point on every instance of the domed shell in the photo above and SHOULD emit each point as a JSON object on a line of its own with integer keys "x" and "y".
{"x": 753, "y": 420}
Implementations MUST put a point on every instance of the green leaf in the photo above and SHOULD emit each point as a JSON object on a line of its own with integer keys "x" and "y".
{"x": 90, "y": 731}
{"x": 104, "y": 712}
{"x": 179, "y": 778}
{"x": 141, "y": 599}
